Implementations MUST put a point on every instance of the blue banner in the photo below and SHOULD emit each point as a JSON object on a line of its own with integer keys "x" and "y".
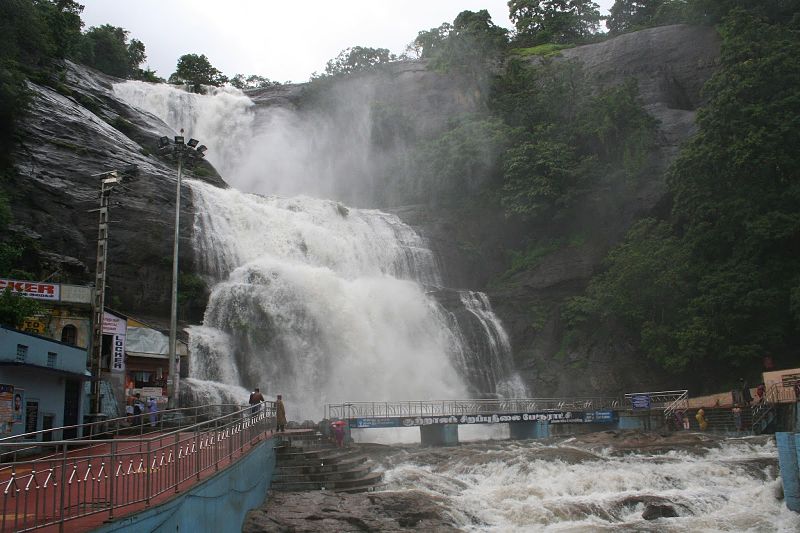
{"x": 557, "y": 417}
{"x": 640, "y": 401}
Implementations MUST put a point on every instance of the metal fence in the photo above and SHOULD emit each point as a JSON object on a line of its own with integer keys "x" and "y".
{"x": 129, "y": 425}
{"x": 80, "y": 477}
{"x": 465, "y": 407}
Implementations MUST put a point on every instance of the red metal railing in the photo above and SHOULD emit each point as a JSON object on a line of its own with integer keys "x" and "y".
{"x": 80, "y": 478}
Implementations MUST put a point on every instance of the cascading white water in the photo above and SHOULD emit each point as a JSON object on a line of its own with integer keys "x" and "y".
{"x": 222, "y": 119}
{"x": 500, "y": 365}
{"x": 310, "y": 298}
{"x": 522, "y": 486}
{"x": 319, "y": 302}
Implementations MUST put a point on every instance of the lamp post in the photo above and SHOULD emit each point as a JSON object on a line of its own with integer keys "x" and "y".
{"x": 108, "y": 181}
{"x": 192, "y": 152}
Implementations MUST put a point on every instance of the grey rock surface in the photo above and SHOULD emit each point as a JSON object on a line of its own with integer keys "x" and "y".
{"x": 330, "y": 512}
{"x": 70, "y": 137}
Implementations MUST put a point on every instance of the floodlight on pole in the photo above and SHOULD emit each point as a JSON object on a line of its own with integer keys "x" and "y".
{"x": 179, "y": 151}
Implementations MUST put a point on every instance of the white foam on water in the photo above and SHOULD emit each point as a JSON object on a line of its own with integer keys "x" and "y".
{"x": 526, "y": 486}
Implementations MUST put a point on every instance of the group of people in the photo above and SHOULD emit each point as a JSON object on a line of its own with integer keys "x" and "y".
{"x": 136, "y": 407}
{"x": 255, "y": 401}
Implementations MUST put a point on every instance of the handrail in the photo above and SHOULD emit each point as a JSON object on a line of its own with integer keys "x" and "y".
{"x": 119, "y": 472}
{"x": 115, "y": 426}
{"x": 761, "y": 410}
{"x": 409, "y": 408}
{"x": 681, "y": 403}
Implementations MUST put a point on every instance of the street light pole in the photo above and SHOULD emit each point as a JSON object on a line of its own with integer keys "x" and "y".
{"x": 172, "y": 381}
{"x": 192, "y": 152}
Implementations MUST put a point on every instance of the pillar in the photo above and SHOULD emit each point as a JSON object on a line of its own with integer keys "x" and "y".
{"x": 539, "y": 429}
{"x": 633, "y": 421}
{"x": 787, "y": 459}
{"x": 439, "y": 435}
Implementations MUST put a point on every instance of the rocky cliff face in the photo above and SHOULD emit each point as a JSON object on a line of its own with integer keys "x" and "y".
{"x": 670, "y": 64}
{"x": 70, "y": 135}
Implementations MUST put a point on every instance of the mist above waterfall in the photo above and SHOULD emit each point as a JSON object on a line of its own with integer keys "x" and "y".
{"x": 348, "y": 139}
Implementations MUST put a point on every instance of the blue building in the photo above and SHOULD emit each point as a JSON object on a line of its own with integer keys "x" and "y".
{"x": 41, "y": 384}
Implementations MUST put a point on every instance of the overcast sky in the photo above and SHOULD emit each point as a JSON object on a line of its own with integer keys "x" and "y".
{"x": 282, "y": 40}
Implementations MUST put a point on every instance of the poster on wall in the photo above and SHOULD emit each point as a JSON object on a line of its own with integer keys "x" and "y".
{"x": 6, "y": 408}
{"x": 117, "y": 328}
{"x": 19, "y": 406}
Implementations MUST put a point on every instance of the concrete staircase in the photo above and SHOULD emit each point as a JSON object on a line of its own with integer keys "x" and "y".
{"x": 306, "y": 462}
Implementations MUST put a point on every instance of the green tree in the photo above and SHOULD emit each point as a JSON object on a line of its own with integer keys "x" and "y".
{"x": 430, "y": 41}
{"x": 358, "y": 58}
{"x": 716, "y": 283}
{"x": 462, "y": 161}
{"x": 14, "y": 309}
{"x": 254, "y": 81}
{"x": 554, "y": 21}
{"x": 63, "y": 19}
{"x": 107, "y": 49}
{"x": 629, "y": 15}
{"x": 196, "y": 71}
{"x": 474, "y": 42}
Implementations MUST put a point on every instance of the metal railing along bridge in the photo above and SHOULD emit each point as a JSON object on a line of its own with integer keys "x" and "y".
{"x": 444, "y": 408}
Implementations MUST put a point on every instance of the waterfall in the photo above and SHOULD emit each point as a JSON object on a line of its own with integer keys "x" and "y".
{"x": 493, "y": 340}
{"x": 315, "y": 300}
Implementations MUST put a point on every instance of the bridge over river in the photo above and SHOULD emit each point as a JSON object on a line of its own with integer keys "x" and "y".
{"x": 438, "y": 420}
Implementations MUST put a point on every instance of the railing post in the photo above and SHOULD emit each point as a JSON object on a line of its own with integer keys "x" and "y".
{"x": 215, "y": 449}
{"x": 63, "y": 487}
{"x": 147, "y": 479}
{"x": 175, "y": 457}
{"x": 196, "y": 453}
{"x": 113, "y": 479}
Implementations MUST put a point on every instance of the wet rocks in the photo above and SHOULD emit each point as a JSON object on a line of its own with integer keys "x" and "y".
{"x": 654, "y": 511}
{"x": 326, "y": 511}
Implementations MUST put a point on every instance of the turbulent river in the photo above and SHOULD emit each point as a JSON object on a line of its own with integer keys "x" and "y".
{"x": 598, "y": 482}
{"x": 574, "y": 485}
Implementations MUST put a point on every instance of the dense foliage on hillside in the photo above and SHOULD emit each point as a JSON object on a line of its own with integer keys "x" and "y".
{"x": 717, "y": 281}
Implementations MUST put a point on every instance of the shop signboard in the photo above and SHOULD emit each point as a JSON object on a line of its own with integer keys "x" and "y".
{"x": 32, "y": 289}
{"x": 117, "y": 328}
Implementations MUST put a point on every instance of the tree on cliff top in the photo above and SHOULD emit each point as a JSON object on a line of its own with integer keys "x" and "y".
{"x": 107, "y": 49}
{"x": 254, "y": 81}
{"x": 358, "y": 58}
{"x": 468, "y": 45}
{"x": 196, "y": 71}
{"x": 554, "y": 21}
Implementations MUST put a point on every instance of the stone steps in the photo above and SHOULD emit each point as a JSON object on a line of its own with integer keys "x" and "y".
{"x": 363, "y": 483}
{"x": 306, "y": 462}
{"x": 321, "y": 468}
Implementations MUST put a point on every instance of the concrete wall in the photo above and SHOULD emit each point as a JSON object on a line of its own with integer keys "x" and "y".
{"x": 41, "y": 381}
{"x": 68, "y": 358}
{"x": 46, "y": 388}
{"x": 217, "y": 504}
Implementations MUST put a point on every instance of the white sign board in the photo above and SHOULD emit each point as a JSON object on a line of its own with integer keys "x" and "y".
{"x": 32, "y": 289}
{"x": 117, "y": 327}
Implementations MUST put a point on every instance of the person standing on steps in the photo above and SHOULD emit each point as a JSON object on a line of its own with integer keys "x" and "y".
{"x": 280, "y": 414}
